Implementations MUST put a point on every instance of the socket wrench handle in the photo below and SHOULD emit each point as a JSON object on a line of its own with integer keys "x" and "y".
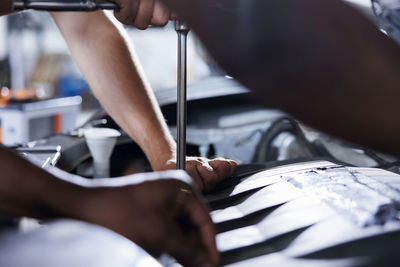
{"x": 83, "y": 5}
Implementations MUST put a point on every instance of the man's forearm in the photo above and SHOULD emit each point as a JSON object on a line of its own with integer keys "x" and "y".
{"x": 107, "y": 63}
{"x": 5, "y": 7}
{"x": 27, "y": 190}
{"x": 117, "y": 80}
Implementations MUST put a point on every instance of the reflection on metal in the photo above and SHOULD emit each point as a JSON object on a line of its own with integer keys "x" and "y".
{"x": 88, "y": 5}
{"x": 364, "y": 200}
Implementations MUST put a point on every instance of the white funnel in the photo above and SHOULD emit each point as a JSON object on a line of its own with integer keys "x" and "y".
{"x": 101, "y": 142}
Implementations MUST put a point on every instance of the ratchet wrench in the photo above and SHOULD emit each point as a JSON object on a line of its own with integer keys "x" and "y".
{"x": 83, "y": 5}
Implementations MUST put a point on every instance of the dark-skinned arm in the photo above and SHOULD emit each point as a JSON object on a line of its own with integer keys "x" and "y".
{"x": 5, "y": 7}
{"x": 321, "y": 61}
{"x": 27, "y": 190}
{"x": 120, "y": 204}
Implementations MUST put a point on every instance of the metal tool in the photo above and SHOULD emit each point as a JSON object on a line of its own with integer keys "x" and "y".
{"x": 87, "y": 5}
{"x": 182, "y": 31}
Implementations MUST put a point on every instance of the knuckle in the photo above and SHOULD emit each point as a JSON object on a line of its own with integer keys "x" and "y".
{"x": 225, "y": 163}
{"x": 124, "y": 18}
{"x": 159, "y": 21}
{"x": 193, "y": 164}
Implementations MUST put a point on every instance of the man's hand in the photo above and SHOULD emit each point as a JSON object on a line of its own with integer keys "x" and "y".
{"x": 205, "y": 172}
{"x": 142, "y": 13}
{"x": 160, "y": 216}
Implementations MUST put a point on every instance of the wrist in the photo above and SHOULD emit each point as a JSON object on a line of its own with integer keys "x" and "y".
{"x": 64, "y": 199}
{"x": 160, "y": 157}
{"x": 98, "y": 206}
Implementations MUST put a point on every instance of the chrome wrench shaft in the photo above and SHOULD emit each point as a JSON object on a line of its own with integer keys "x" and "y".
{"x": 182, "y": 31}
{"x": 77, "y": 5}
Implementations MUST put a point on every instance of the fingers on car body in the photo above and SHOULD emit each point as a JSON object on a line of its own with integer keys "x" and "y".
{"x": 207, "y": 173}
{"x": 182, "y": 227}
{"x": 223, "y": 167}
{"x": 166, "y": 216}
{"x": 194, "y": 243}
{"x": 213, "y": 171}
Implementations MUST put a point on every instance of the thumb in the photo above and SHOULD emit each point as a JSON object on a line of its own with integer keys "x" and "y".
{"x": 187, "y": 249}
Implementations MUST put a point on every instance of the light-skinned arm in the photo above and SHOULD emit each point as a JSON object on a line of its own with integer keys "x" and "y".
{"x": 112, "y": 70}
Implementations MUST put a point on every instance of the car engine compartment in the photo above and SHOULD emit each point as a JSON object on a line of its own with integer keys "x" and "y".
{"x": 298, "y": 197}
